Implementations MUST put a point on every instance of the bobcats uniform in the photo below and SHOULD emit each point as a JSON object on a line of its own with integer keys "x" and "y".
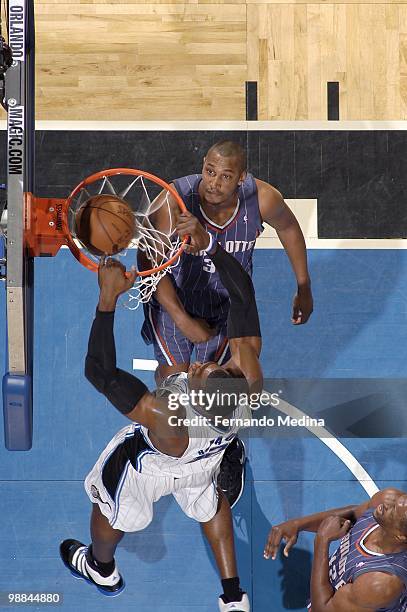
{"x": 353, "y": 558}
{"x": 131, "y": 474}
{"x": 196, "y": 281}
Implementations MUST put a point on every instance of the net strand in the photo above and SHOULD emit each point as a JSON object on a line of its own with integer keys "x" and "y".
{"x": 125, "y": 191}
{"x": 109, "y": 185}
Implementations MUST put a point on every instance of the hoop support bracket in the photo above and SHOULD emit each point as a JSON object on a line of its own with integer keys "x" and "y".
{"x": 44, "y": 227}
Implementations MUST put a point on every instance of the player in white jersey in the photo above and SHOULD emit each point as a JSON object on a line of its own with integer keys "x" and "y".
{"x": 165, "y": 451}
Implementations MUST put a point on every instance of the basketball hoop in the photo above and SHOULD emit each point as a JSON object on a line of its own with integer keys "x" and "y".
{"x": 50, "y": 223}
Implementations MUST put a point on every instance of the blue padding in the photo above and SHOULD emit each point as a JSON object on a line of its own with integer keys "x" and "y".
{"x": 17, "y": 411}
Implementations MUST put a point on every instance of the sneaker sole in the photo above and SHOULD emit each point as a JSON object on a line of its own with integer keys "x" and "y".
{"x": 243, "y": 475}
{"x": 242, "y": 487}
{"x": 79, "y": 576}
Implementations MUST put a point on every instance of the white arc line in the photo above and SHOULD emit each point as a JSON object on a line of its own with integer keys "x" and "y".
{"x": 335, "y": 446}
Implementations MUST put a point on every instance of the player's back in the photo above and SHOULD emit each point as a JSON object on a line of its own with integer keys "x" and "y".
{"x": 198, "y": 283}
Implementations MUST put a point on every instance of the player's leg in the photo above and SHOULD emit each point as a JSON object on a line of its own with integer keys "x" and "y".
{"x": 219, "y": 533}
{"x": 122, "y": 502}
{"x": 95, "y": 563}
{"x": 200, "y": 499}
{"x": 232, "y": 469}
{"x": 104, "y": 538}
{"x": 171, "y": 349}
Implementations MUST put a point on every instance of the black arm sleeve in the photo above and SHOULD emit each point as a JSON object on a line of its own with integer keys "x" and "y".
{"x": 122, "y": 389}
{"x": 243, "y": 318}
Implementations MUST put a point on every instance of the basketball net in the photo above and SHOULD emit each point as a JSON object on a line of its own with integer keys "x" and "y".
{"x": 147, "y": 199}
{"x": 49, "y": 224}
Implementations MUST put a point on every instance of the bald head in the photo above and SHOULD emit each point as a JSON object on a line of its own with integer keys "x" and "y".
{"x": 229, "y": 148}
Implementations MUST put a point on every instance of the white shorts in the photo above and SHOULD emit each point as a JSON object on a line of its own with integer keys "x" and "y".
{"x": 125, "y": 496}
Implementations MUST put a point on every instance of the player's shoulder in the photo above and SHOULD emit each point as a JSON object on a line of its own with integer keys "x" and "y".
{"x": 268, "y": 195}
{"x": 271, "y": 201}
{"x": 268, "y": 192}
{"x": 376, "y": 589}
{"x": 187, "y": 182}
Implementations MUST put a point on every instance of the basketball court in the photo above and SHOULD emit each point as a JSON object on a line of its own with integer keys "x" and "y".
{"x": 349, "y": 360}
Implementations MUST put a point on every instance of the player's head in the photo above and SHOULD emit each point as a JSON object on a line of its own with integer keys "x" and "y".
{"x": 222, "y": 390}
{"x": 224, "y": 168}
{"x": 392, "y": 517}
{"x": 198, "y": 372}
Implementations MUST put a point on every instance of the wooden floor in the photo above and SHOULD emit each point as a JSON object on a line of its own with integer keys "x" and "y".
{"x": 106, "y": 60}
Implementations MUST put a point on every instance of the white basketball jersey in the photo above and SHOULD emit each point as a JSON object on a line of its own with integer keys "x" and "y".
{"x": 207, "y": 443}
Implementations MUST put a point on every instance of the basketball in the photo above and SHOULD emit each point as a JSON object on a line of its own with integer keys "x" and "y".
{"x": 105, "y": 225}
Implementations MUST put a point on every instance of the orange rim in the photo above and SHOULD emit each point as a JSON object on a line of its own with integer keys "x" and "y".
{"x": 76, "y": 251}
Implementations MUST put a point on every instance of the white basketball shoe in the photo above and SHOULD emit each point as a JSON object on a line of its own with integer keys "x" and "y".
{"x": 235, "y": 606}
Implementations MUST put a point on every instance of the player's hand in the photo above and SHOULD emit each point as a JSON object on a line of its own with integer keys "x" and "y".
{"x": 197, "y": 330}
{"x": 113, "y": 279}
{"x": 285, "y": 532}
{"x": 303, "y": 306}
{"x": 204, "y": 331}
{"x": 188, "y": 225}
{"x": 333, "y": 528}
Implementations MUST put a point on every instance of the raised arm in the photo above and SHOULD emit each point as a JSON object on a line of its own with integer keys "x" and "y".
{"x": 243, "y": 318}
{"x": 126, "y": 392}
{"x": 164, "y": 219}
{"x": 243, "y": 326}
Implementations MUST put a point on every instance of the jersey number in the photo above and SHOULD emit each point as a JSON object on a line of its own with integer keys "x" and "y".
{"x": 208, "y": 265}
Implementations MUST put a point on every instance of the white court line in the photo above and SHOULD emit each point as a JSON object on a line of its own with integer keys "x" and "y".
{"x": 339, "y": 243}
{"x": 306, "y": 212}
{"x": 321, "y": 433}
{"x": 210, "y": 126}
{"x": 359, "y": 244}
{"x": 335, "y": 446}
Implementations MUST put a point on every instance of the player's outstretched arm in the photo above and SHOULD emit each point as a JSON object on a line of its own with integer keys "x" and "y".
{"x": 369, "y": 591}
{"x": 126, "y": 392}
{"x": 164, "y": 220}
{"x": 243, "y": 326}
{"x": 243, "y": 318}
{"x": 289, "y": 531}
{"x": 275, "y": 212}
